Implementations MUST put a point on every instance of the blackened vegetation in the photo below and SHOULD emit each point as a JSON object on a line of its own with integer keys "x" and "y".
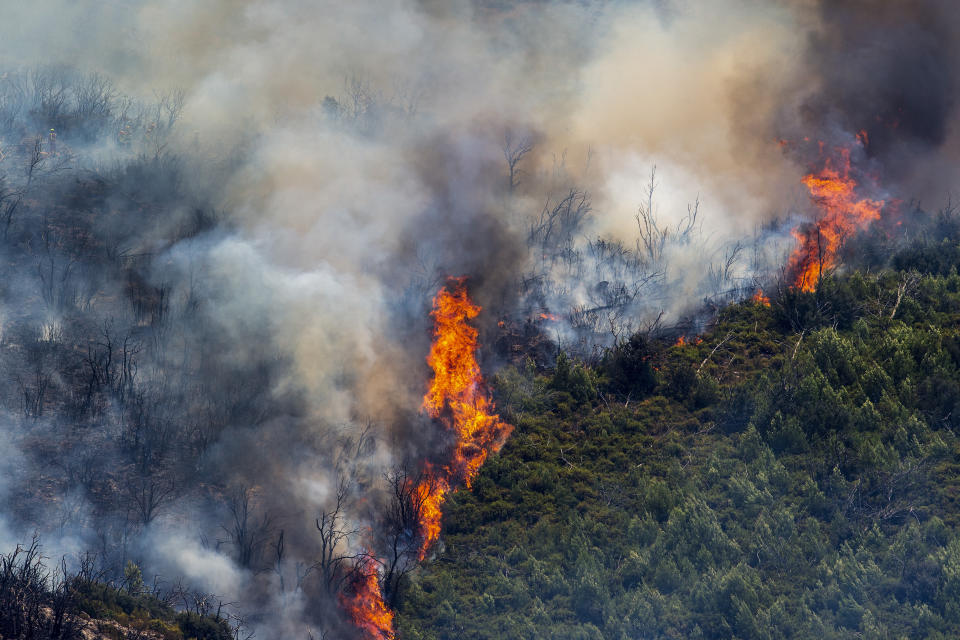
{"x": 790, "y": 472}
{"x": 629, "y": 368}
{"x": 42, "y": 603}
{"x": 589, "y": 293}
{"x": 117, "y": 380}
{"x": 403, "y": 534}
{"x": 35, "y": 602}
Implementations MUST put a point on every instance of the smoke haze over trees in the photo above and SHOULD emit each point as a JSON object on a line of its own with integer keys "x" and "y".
{"x": 223, "y": 224}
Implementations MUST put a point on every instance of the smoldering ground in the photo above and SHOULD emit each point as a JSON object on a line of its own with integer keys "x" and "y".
{"x": 216, "y": 306}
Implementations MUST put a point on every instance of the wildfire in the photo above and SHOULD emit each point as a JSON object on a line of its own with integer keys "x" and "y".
{"x": 680, "y": 342}
{"x": 760, "y": 299}
{"x": 833, "y": 190}
{"x": 549, "y": 317}
{"x": 457, "y": 396}
{"x": 365, "y": 604}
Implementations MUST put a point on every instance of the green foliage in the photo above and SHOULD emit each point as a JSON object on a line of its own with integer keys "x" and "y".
{"x": 628, "y": 368}
{"x": 36, "y": 602}
{"x": 573, "y": 382}
{"x": 935, "y": 252}
{"x": 133, "y": 607}
{"x": 133, "y": 578}
{"x": 202, "y": 627}
{"x": 101, "y": 600}
{"x": 520, "y": 390}
{"x": 832, "y": 304}
{"x": 794, "y": 475}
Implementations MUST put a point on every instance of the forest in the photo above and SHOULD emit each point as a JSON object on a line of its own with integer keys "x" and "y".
{"x": 791, "y": 472}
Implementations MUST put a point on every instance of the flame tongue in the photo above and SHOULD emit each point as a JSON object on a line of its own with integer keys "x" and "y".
{"x": 457, "y": 397}
{"x": 456, "y": 373}
{"x": 760, "y": 299}
{"x": 365, "y": 604}
{"x": 833, "y": 190}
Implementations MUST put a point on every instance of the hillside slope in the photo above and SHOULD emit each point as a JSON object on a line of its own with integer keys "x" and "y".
{"x": 791, "y": 473}
{"x": 38, "y": 602}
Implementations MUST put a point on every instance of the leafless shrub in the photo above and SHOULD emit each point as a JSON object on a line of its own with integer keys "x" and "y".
{"x": 35, "y": 602}
{"x": 247, "y": 533}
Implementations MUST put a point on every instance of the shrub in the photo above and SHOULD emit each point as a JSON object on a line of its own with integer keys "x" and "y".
{"x": 202, "y": 627}
{"x": 628, "y": 369}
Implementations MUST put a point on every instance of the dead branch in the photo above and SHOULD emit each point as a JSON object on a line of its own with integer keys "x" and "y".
{"x": 710, "y": 355}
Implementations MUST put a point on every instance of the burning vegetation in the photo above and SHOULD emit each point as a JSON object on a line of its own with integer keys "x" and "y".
{"x": 212, "y": 321}
{"x": 843, "y": 212}
{"x": 760, "y": 299}
{"x": 364, "y": 603}
{"x": 458, "y": 399}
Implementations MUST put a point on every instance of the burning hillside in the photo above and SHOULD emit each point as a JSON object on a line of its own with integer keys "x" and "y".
{"x": 235, "y": 360}
{"x": 457, "y": 398}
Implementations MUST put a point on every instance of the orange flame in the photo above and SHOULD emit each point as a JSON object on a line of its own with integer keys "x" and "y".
{"x": 680, "y": 342}
{"x": 549, "y": 317}
{"x": 760, "y": 299}
{"x": 833, "y": 190}
{"x": 458, "y": 397}
{"x": 365, "y": 604}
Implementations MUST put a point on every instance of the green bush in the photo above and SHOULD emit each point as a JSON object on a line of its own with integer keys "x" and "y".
{"x": 628, "y": 369}
{"x": 202, "y": 627}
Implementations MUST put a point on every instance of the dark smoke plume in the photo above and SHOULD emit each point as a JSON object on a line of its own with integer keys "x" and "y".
{"x": 887, "y": 71}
